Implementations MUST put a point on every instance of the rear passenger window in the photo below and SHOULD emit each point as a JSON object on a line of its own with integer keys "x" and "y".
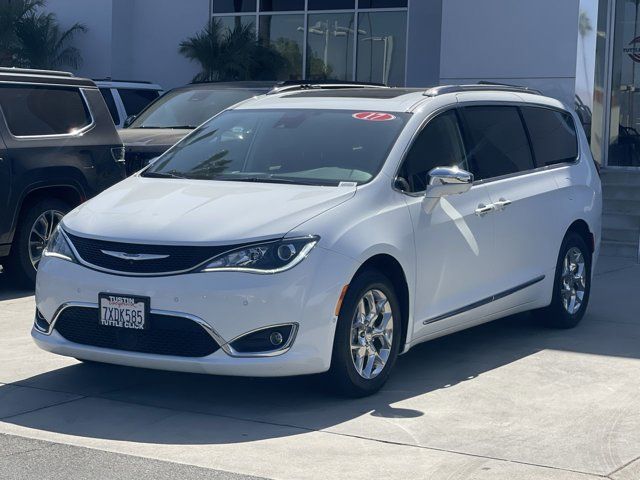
{"x": 135, "y": 101}
{"x": 553, "y": 135}
{"x": 498, "y": 143}
{"x": 439, "y": 144}
{"x": 43, "y": 110}
{"x": 111, "y": 104}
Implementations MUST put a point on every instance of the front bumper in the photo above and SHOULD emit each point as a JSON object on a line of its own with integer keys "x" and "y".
{"x": 228, "y": 304}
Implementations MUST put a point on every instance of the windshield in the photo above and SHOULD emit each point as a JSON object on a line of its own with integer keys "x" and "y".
{"x": 190, "y": 108}
{"x": 322, "y": 147}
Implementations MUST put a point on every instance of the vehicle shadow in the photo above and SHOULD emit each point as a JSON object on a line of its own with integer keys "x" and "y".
{"x": 194, "y": 409}
{"x": 10, "y": 289}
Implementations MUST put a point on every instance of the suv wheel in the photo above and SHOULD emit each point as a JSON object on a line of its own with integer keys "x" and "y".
{"x": 33, "y": 232}
{"x": 367, "y": 337}
{"x": 572, "y": 284}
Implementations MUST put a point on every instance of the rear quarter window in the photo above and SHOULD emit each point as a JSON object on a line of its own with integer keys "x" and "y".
{"x": 32, "y": 111}
{"x": 135, "y": 100}
{"x": 553, "y": 135}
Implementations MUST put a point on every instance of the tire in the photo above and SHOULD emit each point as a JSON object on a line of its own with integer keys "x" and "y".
{"x": 20, "y": 261}
{"x": 561, "y": 314}
{"x": 344, "y": 376}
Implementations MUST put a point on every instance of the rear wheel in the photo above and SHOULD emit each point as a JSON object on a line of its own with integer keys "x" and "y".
{"x": 34, "y": 230}
{"x": 572, "y": 284}
{"x": 367, "y": 338}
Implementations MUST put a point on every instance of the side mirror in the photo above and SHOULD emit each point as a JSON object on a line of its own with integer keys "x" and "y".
{"x": 130, "y": 119}
{"x": 445, "y": 181}
{"x": 448, "y": 181}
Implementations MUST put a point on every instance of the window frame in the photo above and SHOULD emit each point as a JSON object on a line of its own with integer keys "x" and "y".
{"x": 431, "y": 117}
{"x": 556, "y": 110}
{"x": 78, "y": 133}
{"x": 463, "y": 130}
{"x": 519, "y": 105}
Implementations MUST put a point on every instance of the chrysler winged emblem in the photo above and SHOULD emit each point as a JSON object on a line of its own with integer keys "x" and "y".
{"x": 134, "y": 256}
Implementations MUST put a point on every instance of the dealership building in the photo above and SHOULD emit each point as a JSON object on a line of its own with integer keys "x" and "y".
{"x": 588, "y": 47}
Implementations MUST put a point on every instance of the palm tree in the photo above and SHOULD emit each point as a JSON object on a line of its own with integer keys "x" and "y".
{"x": 11, "y": 14}
{"x": 32, "y": 39}
{"x": 584, "y": 27}
{"x": 235, "y": 54}
{"x": 43, "y": 44}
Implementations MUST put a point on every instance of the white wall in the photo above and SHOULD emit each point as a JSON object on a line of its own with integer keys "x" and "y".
{"x": 526, "y": 42}
{"x": 95, "y": 45}
{"x": 134, "y": 39}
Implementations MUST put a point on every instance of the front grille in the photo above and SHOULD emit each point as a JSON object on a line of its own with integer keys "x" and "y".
{"x": 166, "y": 335}
{"x": 179, "y": 258}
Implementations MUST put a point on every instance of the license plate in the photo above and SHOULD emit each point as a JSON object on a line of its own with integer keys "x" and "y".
{"x": 123, "y": 311}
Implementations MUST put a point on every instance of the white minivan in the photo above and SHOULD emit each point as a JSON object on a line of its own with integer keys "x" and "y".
{"x": 329, "y": 229}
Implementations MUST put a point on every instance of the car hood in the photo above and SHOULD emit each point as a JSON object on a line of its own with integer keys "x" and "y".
{"x": 200, "y": 212}
{"x": 152, "y": 138}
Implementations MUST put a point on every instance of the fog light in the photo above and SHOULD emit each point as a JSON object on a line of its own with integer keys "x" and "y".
{"x": 276, "y": 339}
{"x": 41, "y": 323}
{"x": 268, "y": 339}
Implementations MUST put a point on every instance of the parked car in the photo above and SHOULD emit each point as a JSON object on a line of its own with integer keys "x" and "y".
{"x": 58, "y": 147}
{"x": 126, "y": 98}
{"x": 329, "y": 230}
{"x": 177, "y": 113}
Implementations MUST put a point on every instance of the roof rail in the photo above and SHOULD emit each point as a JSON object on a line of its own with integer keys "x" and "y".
{"x": 31, "y": 71}
{"x": 482, "y": 87}
{"x": 109, "y": 79}
{"x": 294, "y": 85}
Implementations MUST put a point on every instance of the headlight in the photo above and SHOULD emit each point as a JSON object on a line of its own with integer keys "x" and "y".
{"x": 59, "y": 247}
{"x": 270, "y": 257}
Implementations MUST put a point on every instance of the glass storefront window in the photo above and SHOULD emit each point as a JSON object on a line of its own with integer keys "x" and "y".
{"x": 382, "y": 47}
{"x": 230, "y": 22}
{"x": 285, "y": 34}
{"x": 330, "y": 46}
{"x": 281, "y": 5}
{"x": 233, "y": 6}
{"x": 624, "y": 133}
{"x": 381, "y": 3}
{"x": 332, "y": 4}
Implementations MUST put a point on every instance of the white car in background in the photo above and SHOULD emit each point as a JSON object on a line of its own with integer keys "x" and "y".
{"x": 324, "y": 229}
{"x": 126, "y": 99}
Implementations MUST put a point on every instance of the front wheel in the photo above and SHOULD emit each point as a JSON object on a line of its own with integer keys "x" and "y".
{"x": 572, "y": 284}
{"x": 368, "y": 334}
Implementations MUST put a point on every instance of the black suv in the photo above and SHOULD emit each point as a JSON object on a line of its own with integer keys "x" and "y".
{"x": 58, "y": 147}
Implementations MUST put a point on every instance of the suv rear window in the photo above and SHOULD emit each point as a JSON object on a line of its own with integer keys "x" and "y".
{"x": 553, "y": 135}
{"x": 43, "y": 110}
{"x": 498, "y": 141}
{"x": 135, "y": 101}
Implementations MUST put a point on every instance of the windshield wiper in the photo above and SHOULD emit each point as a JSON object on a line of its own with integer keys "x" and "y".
{"x": 257, "y": 179}
{"x": 162, "y": 175}
{"x": 169, "y": 127}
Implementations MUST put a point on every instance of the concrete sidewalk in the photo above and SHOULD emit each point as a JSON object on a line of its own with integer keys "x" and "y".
{"x": 508, "y": 400}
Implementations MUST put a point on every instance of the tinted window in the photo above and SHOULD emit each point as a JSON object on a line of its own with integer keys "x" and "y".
{"x": 381, "y": 3}
{"x": 190, "y": 108}
{"x": 553, "y": 135}
{"x": 231, "y": 6}
{"x": 281, "y": 5}
{"x": 498, "y": 143}
{"x": 295, "y": 145}
{"x": 111, "y": 104}
{"x": 135, "y": 101}
{"x": 438, "y": 145}
{"x": 331, "y": 5}
{"x": 43, "y": 110}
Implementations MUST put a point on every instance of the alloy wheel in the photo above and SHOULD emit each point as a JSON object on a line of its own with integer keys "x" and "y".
{"x": 574, "y": 280}
{"x": 371, "y": 334}
{"x": 41, "y": 231}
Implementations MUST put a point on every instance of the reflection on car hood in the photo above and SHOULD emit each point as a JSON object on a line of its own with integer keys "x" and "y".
{"x": 145, "y": 138}
{"x": 176, "y": 211}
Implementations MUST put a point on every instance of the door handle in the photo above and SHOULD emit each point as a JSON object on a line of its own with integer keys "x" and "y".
{"x": 502, "y": 204}
{"x": 484, "y": 209}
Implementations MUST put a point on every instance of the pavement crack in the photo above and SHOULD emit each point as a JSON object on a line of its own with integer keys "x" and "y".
{"x": 57, "y": 404}
{"x": 623, "y": 466}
